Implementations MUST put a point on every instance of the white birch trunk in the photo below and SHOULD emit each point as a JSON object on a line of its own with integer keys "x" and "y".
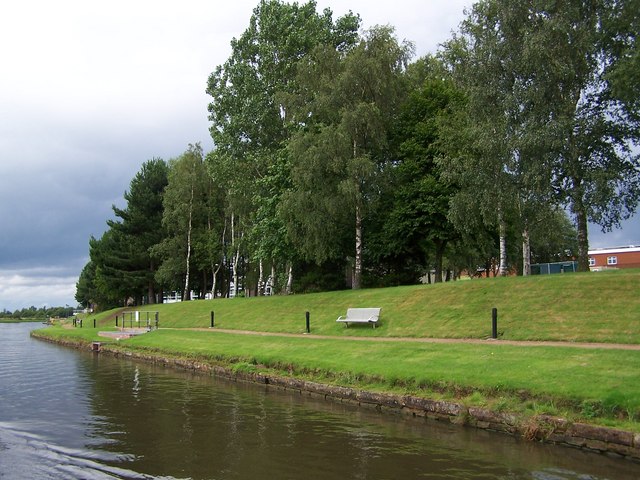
{"x": 260, "y": 279}
{"x": 236, "y": 256}
{"x": 236, "y": 259}
{"x": 526, "y": 253}
{"x": 357, "y": 274}
{"x": 186, "y": 295}
{"x": 502, "y": 269}
{"x": 289, "y": 279}
{"x": 216, "y": 268}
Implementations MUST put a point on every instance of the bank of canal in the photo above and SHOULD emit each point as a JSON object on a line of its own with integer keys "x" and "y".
{"x": 542, "y": 428}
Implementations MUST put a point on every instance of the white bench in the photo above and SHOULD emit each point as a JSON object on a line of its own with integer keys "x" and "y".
{"x": 360, "y": 315}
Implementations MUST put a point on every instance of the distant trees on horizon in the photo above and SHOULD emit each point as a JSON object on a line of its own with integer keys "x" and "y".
{"x": 37, "y": 313}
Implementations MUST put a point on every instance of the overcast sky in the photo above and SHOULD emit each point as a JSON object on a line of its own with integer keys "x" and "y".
{"x": 91, "y": 90}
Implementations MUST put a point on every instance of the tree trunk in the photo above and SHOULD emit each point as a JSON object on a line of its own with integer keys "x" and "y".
{"x": 502, "y": 269}
{"x": 289, "y": 279}
{"x": 216, "y": 268}
{"x": 273, "y": 276}
{"x": 214, "y": 278}
{"x": 357, "y": 274}
{"x": 236, "y": 257}
{"x": 260, "y": 291}
{"x": 526, "y": 253}
{"x": 579, "y": 211}
{"x": 186, "y": 295}
{"x": 440, "y": 246}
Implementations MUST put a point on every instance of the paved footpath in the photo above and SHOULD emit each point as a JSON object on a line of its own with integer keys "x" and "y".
{"x": 475, "y": 341}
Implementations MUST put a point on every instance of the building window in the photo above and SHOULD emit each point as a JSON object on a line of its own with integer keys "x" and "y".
{"x": 613, "y": 260}
{"x": 592, "y": 262}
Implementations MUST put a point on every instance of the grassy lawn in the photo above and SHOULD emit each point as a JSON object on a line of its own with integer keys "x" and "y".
{"x": 598, "y": 385}
{"x": 598, "y": 307}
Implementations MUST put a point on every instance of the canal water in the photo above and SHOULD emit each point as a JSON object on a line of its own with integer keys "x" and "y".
{"x": 66, "y": 414}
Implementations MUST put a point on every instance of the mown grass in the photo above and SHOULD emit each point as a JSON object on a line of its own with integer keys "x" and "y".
{"x": 597, "y": 385}
{"x": 593, "y": 307}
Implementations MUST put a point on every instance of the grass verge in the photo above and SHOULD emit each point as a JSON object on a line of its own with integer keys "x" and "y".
{"x": 592, "y": 307}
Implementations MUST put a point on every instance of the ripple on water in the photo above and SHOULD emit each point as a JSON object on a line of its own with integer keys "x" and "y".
{"x": 27, "y": 455}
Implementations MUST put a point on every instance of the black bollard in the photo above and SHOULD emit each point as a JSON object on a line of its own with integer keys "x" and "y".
{"x": 212, "y": 318}
{"x": 494, "y": 323}
{"x": 308, "y": 327}
{"x": 116, "y": 320}
{"x": 94, "y": 323}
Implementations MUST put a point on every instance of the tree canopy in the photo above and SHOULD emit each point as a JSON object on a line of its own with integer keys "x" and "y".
{"x": 341, "y": 161}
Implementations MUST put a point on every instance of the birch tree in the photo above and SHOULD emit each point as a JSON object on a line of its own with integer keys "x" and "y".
{"x": 250, "y": 123}
{"x": 347, "y": 102}
{"x": 581, "y": 53}
{"x": 547, "y": 83}
{"x": 184, "y": 213}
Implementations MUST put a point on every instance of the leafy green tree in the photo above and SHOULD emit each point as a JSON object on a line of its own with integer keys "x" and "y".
{"x": 582, "y": 52}
{"x": 548, "y": 111}
{"x": 417, "y": 222}
{"x": 484, "y": 137}
{"x": 209, "y": 239}
{"x": 250, "y": 121}
{"x": 184, "y": 214}
{"x": 268, "y": 237}
{"x": 344, "y": 111}
{"x": 554, "y": 239}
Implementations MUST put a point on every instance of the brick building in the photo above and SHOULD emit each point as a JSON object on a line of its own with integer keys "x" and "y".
{"x": 618, "y": 257}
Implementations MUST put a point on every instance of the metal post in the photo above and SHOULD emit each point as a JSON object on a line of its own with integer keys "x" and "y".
{"x": 157, "y": 315}
{"x": 212, "y": 318}
{"x": 94, "y": 323}
{"x": 494, "y": 323}
{"x": 116, "y": 320}
{"x": 307, "y": 317}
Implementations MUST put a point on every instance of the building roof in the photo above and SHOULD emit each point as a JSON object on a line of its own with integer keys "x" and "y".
{"x": 612, "y": 250}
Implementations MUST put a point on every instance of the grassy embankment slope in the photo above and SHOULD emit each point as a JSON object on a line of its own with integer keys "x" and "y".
{"x": 598, "y": 385}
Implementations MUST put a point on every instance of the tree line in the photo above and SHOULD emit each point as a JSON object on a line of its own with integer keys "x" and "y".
{"x": 342, "y": 161}
{"x": 38, "y": 313}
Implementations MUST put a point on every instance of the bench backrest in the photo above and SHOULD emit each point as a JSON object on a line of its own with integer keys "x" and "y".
{"x": 363, "y": 313}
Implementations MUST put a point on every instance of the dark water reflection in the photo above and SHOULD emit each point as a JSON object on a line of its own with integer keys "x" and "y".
{"x": 68, "y": 414}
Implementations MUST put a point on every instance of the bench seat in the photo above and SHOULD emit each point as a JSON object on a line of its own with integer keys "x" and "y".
{"x": 361, "y": 315}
